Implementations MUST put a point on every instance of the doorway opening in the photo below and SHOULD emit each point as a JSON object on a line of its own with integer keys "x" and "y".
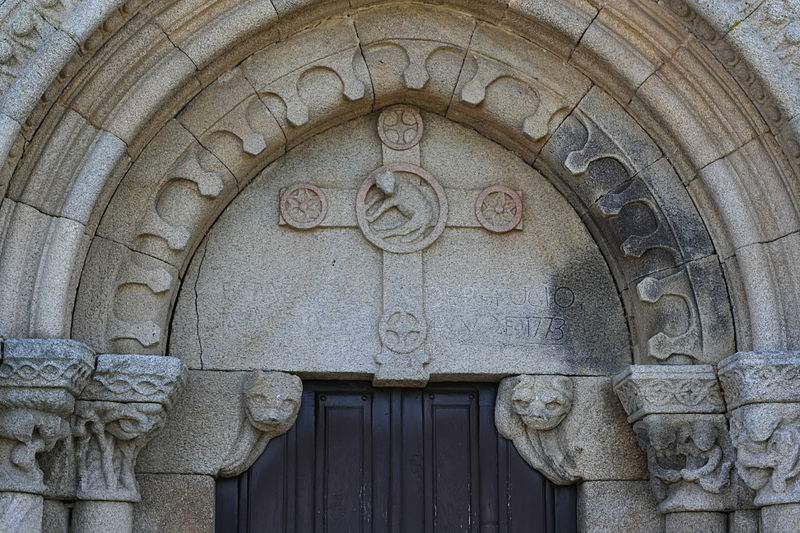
{"x": 366, "y": 459}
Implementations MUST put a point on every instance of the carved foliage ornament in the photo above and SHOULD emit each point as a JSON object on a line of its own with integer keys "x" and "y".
{"x": 530, "y": 411}
{"x": 270, "y": 401}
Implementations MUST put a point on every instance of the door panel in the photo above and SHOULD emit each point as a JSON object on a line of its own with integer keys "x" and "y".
{"x": 361, "y": 459}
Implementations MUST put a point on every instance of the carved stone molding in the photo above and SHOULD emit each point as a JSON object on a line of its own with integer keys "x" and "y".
{"x": 763, "y": 394}
{"x": 39, "y": 379}
{"x": 529, "y": 411}
{"x": 668, "y": 389}
{"x": 270, "y": 401}
{"x": 760, "y": 377}
{"x": 121, "y": 409}
{"x": 676, "y": 412}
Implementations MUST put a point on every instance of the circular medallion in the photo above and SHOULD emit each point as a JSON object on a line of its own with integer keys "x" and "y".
{"x": 401, "y": 208}
{"x": 498, "y": 208}
{"x": 303, "y": 206}
{"x": 400, "y": 127}
{"x": 402, "y": 331}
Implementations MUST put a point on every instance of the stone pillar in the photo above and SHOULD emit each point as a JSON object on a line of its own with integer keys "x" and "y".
{"x": 39, "y": 379}
{"x": 120, "y": 410}
{"x": 677, "y": 416}
{"x": 762, "y": 391}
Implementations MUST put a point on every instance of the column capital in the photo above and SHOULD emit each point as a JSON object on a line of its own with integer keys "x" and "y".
{"x": 39, "y": 379}
{"x": 763, "y": 393}
{"x": 677, "y": 416}
{"x": 668, "y": 389}
{"x": 120, "y": 410}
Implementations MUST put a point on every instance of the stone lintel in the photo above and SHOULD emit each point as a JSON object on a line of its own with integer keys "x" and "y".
{"x": 668, "y": 389}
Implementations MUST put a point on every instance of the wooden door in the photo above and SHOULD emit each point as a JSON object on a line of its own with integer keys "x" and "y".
{"x": 361, "y": 459}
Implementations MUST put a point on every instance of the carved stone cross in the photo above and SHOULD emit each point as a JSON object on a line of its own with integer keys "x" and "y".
{"x": 401, "y": 209}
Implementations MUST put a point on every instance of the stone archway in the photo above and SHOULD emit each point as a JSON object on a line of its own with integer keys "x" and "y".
{"x": 129, "y": 129}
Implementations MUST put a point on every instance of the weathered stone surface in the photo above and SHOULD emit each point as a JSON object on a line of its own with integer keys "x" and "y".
{"x": 329, "y": 312}
{"x": 507, "y": 91}
{"x": 136, "y": 378}
{"x": 766, "y": 437}
{"x": 55, "y": 517}
{"x": 760, "y": 377}
{"x": 271, "y": 401}
{"x": 231, "y": 122}
{"x": 175, "y": 503}
{"x": 690, "y": 458}
{"x": 613, "y": 506}
{"x": 202, "y": 427}
{"x": 412, "y": 48}
{"x": 39, "y": 379}
{"x": 124, "y": 100}
{"x": 753, "y": 211}
{"x": 565, "y": 428}
{"x": 669, "y": 389}
{"x": 37, "y": 244}
{"x": 313, "y": 79}
{"x": 169, "y": 196}
{"x": 81, "y": 155}
{"x": 123, "y": 302}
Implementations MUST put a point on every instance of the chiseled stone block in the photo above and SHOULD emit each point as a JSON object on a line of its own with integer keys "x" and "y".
{"x": 760, "y": 377}
{"x": 172, "y": 503}
{"x": 615, "y": 506}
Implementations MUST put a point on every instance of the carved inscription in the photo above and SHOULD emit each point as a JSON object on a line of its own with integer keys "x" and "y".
{"x": 402, "y": 209}
{"x": 501, "y": 316}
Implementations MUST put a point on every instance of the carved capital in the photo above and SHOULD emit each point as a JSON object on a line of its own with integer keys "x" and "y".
{"x": 529, "y": 411}
{"x": 270, "y": 401}
{"x": 763, "y": 394}
{"x": 760, "y": 377}
{"x": 662, "y": 389}
{"x": 676, "y": 412}
{"x": 690, "y": 458}
{"x": 39, "y": 379}
{"x": 136, "y": 378}
{"x": 121, "y": 409}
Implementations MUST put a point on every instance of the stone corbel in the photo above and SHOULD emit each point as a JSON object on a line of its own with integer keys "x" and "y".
{"x": 677, "y": 416}
{"x": 763, "y": 396}
{"x": 529, "y": 411}
{"x": 120, "y": 410}
{"x": 270, "y": 401}
{"x": 39, "y": 379}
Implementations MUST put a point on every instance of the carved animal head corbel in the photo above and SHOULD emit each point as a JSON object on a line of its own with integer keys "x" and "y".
{"x": 270, "y": 401}
{"x": 529, "y": 411}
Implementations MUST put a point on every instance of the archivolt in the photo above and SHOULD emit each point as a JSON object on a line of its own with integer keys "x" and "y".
{"x": 154, "y": 128}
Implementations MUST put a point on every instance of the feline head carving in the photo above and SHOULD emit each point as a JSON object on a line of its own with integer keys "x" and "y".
{"x": 542, "y": 402}
{"x": 271, "y": 400}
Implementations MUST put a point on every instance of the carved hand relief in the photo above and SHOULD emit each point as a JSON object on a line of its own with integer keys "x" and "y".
{"x": 530, "y": 411}
{"x": 401, "y": 208}
{"x": 270, "y": 401}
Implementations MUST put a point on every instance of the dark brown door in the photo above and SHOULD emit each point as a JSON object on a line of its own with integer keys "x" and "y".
{"x": 362, "y": 459}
